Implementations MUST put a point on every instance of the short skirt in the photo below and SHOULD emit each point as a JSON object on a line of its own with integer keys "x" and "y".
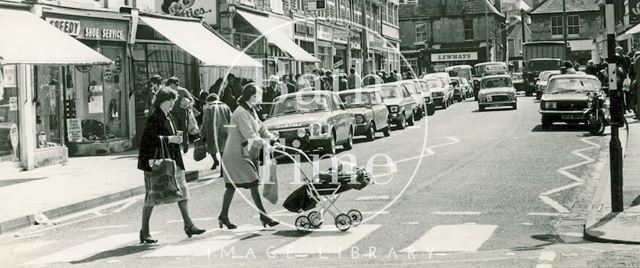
{"x": 247, "y": 185}
{"x": 150, "y": 201}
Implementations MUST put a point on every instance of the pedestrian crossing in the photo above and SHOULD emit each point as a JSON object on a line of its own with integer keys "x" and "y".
{"x": 326, "y": 241}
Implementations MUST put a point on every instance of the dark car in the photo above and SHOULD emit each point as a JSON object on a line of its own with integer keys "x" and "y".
{"x": 399, "y": 102}
{"x": 312, "y": 119}
{"x": 565, "y": 98}
{"x": 541, "y": 86}
{"x": 370, "y": 112}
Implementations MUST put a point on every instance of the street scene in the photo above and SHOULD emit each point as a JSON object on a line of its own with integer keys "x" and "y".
{"x": 410, "y": 133}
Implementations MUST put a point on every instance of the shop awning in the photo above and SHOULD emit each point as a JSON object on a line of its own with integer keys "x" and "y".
{"x": 28, "y": 39}
{"x": 271, "y": 30}
{"x": 626, "y": 35}
{"x": 195, "y": 39}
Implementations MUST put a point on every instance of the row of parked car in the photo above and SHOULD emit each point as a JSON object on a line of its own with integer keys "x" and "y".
{"x": 311, "y": 120}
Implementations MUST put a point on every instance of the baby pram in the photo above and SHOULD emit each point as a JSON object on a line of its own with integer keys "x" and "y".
{"x": 323, "y": 191}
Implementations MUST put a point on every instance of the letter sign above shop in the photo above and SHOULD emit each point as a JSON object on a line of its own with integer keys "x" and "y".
{"x": 84, "y": 28}
{"x": 459, "y": 56}
{"x": 71, "y": 27}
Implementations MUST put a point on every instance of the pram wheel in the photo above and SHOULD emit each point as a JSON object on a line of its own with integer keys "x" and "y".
{"x": 303, "y": 223}
{"x": 314, "y": 219}
{"x": 343, "y": 222}
{"x": 356, "y": 217}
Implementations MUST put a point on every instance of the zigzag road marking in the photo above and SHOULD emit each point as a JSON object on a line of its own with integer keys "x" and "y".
{"x": 577, "y": 180}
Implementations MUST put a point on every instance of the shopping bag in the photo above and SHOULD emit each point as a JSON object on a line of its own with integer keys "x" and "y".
{"x": 164, "y": 187}
{"x": 192, "y": 122}
{"x": 270, "y": 190}
{"x": 200, "y": 150}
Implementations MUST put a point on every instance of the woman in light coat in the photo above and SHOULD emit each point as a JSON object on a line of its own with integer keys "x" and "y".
{"x": 246, "y": 137}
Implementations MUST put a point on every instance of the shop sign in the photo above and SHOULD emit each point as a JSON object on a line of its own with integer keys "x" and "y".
{"x": 338, "y": 64}
{"x": 70, "y": 27}
{"x": 634, "y": 8}
{"x": 324, "y": 32}
{"x": 341, "y": 36}
{"x": 13, "y": 103}
{"x": 74, "y": 130}
{"x": 189, "y": 9}
{"x": 84, "y": 28}
{"x": 459, "y": 56}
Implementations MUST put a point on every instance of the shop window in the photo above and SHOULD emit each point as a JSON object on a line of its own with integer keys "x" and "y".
{"x": 468, "y": 29}
{"x": 49, "y": 125}
{"x": 9, "y": 114}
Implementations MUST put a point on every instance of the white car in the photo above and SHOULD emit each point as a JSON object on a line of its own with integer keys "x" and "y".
{"x": 497, "y": 90}
{"x": 446, "y": 81}
{"x": 438, "y": 92}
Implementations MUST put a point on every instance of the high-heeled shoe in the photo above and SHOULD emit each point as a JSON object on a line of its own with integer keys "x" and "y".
{"x": 227, "y": 223}
{"x": 267, "y": 221}
{"x": 147, "y": 239}
{"x": 193, "y": 230}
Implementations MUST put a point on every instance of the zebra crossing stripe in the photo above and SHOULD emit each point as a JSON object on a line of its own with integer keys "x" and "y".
{"x": 452, "y": 238}
{"x": 202, "y": 248}
{"x": 83, "y": 250}
{"x": 327, "y": 241}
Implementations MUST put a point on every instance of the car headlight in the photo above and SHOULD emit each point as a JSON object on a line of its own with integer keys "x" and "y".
{"x": 551, "y": 105}
{"x": 359, "y": 119}
{"x": 276, "y": 134}
{"x": 394, "y": 108}
{"x": 301, "y": 133}
{"x": 511, "y": 93}
{"x": 427, "y": 99}
{"x": 315, "y": 129}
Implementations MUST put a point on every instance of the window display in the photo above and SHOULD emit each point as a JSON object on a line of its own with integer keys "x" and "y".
{"x": 9, "y": 117}
{"x": 49, "y": 82}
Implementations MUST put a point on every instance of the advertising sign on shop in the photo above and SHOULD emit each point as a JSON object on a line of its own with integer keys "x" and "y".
{"x": 189, "y": 9}
{"x": 83, "y": 28}
{"x": 324, "y": 32}
{"x": 634, "y": 11}
{"x": 457, "y": 56}
{"x": 74, "y": 130}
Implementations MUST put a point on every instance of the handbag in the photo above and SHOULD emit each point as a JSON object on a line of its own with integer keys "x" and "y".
{"x": 270, "y": 190}
{"x": 200, "y": 150}
{"x": 164, "y": 187}
{"x": 192, "y": 123}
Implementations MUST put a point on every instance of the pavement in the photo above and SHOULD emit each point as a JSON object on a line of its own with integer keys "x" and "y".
{"x": 603, "y": 225}
{"x": 36, "y": 196}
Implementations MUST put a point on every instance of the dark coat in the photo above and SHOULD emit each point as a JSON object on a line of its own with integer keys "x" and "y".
{"x": 158, "y": 126}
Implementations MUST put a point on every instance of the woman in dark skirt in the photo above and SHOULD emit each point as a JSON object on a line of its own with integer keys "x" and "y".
{"x": 241, "y": 155}
{"x": 161, "y": 129}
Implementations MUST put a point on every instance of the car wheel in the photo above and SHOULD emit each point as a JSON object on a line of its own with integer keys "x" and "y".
{"x": 515, "y": 106}
{"x": 371, "y": 133}
{"x": 546, "y": 123}
{"x": 431, "y": 111}
{"x": 417, "y": 114}
{"x": 445, "y": 104}
{"x": 387, "y": 131}
{"x": 481, "y": 108}
{"x": 528, "y": 93}
{"x": 349, "y": 144}
{"x": 331, "y": 147}
{"x": 410, "y": 121}
{"x": 402, "y": 122}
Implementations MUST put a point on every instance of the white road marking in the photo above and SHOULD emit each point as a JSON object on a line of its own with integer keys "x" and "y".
{"x": 429, "y": 150}
{"x": 373, "y": 198}
{"x": 105, "y": 227}
{"x": 546, "y": 214}
{"x": 452, "y": 238}
{"x": 411, "y": 223}
{"x": 527, "y": 223}
{"x": 327, "y": 242}
{"x": 456, "y": 213}
{"x": 128, "y": 204}
{"x": 510, "y": 254}
{"x": 547, "y": 256}
{"x": 83, "y": 250}
{"x": 566, "y": 187}
{"x": 193, "y": 219}
{"x": 201, "y": 248}
{"x": 544, "y": 266}
{"x": 554, "y": 204}
{"x": 572, "y": 234}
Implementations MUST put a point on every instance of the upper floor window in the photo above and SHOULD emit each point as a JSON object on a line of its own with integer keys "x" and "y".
{"x": 421, "y": 32}
{"x": 573, "y": 25}
{"x": 468, "y": 29}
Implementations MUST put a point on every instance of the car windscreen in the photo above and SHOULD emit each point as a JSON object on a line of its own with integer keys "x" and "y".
{"x": 572, "y": 85}
{"x": 390, "y": 92}
{"x": 517, "y": 76}
{"x": 543, "y": 65}
{"x": 434, "y": 83}
{"x": 496, "y": 82}
{"x": 356, "y": 99}
{"x": 494, "y": 68}
{"x": 300, "y": 104}
{"x": 464, "y": 73}
{"x": 548, "y": 75}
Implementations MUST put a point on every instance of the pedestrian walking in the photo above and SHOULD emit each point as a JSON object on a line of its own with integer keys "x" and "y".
{"x": 342, "y": 82}
{"x": 217, "y": 116}
{"x": 215, "y": 88}
{"x": 154, "y": 86}
{"x": 161, "y": 128}
{"x": 354, "y": 80}
{"x": 181, "y": 111}
{"x": 228, "y": 88}
{"x": 398, "y": 75}
{"x": 241, "y": 155}
{"x": 269, "y": 94}
{"x": 290, "y": 87}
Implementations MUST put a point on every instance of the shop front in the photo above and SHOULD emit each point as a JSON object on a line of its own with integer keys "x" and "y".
{"x": 86, "y": 107}
{"x": 325, "y": 46}
{"x": 436, "y": 60}
{"x": 304, "y": 36}
{"x": 356, "y": 51}
{"x": 340, "y": 57}
{"x": 36, "y": 77}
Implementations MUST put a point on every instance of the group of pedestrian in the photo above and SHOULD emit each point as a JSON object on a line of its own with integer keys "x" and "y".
{"x": 229, "y": 102}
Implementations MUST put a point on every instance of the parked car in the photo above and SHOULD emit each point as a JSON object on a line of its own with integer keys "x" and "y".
{"x": 446, "y": 81}
{"x": 541, "y": 86}
{"x": 399, "y": 102}
{"x": 420, "y": 109}
{"x": 310, "y": 120}
{"x": 497, "y": 90}
{"x": 370, "y": 112}
{"x": 565, "y": 98}
{"x": 458, "y": 90}
{"x": 426, "y": 94}
{"x": 438, "y": 93}
{"x": 518, "y": 81}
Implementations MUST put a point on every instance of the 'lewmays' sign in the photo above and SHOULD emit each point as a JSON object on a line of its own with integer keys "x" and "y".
{"x": 458, "y": 56}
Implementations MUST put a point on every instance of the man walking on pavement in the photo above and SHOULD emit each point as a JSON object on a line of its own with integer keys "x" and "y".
{"x": 228, "y": 92}
{"x": 270, "y": 93}
{"x": 353, "y": 80}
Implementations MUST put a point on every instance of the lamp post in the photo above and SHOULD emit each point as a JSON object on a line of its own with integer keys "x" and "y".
{"x": 524, "y": 37}
{"x": 564, "y": 22}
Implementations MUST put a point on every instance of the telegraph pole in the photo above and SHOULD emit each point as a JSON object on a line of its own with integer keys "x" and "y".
{"x": 364, "y": 47}
{"x": 564, "y": 24}
{"x": 615, "y": 148}
{"x": 522, "y": 14}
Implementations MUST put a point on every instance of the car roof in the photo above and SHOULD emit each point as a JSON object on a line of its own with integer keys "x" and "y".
{"x": 308, "y": 93}
{"x": 371, "y": 89}
{"x": 570, "y": 76}
{"x": 497, "y": 76}
{"x": 438, "y": 74}
{"x": 489, "y": 62}
{"x": 457, "y": 67}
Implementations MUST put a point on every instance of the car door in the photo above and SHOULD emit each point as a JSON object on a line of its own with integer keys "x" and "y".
{"x": 342, "y": 118}
{"x": 407, "y": 102}
{"x": 378, "y": 110}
